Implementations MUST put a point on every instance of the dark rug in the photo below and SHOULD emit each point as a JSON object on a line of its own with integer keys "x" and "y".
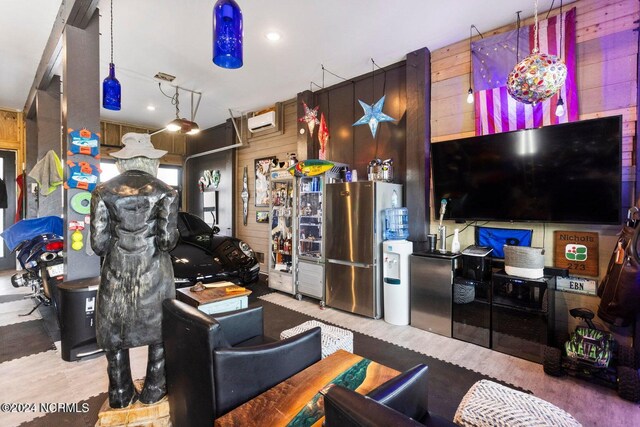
{"x": 24, "y": 339}
{"x": 448, "y": 383}
{"x": 86, "y": 415}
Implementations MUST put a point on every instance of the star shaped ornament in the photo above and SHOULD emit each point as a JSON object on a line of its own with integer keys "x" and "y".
{"x": 373, "y": 115}
{"x": 323, "y": 137}
{"x": 310, "y": 118}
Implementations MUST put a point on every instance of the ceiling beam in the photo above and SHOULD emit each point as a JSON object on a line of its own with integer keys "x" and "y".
{"x": 76, "y": 13}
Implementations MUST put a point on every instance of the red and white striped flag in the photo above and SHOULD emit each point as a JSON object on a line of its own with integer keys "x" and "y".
{"x": 494, "y": 58}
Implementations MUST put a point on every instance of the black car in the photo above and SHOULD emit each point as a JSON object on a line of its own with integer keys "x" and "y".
{"x": 201, "y": 255}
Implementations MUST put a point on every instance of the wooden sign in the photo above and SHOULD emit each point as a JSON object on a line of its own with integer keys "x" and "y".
{"x": 576, "y": 251}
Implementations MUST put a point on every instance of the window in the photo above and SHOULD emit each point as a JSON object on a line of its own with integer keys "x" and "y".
{"x": 168, "y": 174}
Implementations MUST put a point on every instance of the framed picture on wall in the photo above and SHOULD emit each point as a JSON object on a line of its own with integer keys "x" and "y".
{"x": 262, "y": 216}
{"x": 262, "y": 181}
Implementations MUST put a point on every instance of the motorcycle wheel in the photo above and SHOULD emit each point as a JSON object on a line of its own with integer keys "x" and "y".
{"x": 17, "y": 280}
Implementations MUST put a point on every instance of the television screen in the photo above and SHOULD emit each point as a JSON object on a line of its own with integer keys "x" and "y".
{"x": 568, "y": 173}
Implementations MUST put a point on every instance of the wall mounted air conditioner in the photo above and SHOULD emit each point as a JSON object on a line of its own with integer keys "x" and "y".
{"x": 262, "y": 122}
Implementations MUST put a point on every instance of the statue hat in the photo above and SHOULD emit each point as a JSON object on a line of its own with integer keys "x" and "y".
{"x": 137, "y": 145}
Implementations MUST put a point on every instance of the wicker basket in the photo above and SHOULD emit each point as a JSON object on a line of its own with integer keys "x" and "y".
{"x": 463, "y": 294}
{"x": 524, "y": 261}
{"x": 523, "y": 257}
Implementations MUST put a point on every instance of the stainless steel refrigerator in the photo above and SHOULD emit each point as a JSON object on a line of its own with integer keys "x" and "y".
{"x": 354, "y": 228}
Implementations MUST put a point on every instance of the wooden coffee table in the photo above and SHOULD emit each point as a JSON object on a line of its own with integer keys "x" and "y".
{"x": 215, "y": 300}
{"x": 299, "y": 395}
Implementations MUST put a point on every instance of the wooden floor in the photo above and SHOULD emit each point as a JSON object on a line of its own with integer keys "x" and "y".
{"x": 45, "y": 378}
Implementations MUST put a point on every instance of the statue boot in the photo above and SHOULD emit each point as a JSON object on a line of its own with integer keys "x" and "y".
{"x": 122, "y": 392}
{"x": 155, "y": 383}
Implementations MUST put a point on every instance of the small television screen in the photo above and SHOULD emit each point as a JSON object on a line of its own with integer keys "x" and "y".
{"x": 567, "y": 173}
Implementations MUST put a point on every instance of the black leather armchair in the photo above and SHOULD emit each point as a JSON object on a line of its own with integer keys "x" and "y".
{"x": 216, "y": 363}
{"x": 401, "y": 401}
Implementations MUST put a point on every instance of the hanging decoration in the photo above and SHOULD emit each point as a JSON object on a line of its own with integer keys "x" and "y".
{"x": 208, "y": 178}
{"x": 537, "y": 77}
{"x": 84, "y": 141}
{"x": 373, "y": 115}
{"x": 244, "y": 195}
{"x": 227, "y": 34}
{"x": 310, "y": 118}
{"x": 82, "y": 175}
{"x": 111, "y": 90}
{"x": 323, "y": 137}
{"x": 310, "y": 167}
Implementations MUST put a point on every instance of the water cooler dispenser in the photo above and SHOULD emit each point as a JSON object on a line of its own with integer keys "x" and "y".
{"x": 395, "y": 266}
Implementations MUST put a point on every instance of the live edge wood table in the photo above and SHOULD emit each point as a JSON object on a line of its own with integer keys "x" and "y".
{"x": 297, "y": 401}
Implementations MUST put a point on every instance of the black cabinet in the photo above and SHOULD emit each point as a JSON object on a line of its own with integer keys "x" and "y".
{"x": 510, "y": 314}
{"x": 471, "y": 311}
{"x": 522, "y": 315}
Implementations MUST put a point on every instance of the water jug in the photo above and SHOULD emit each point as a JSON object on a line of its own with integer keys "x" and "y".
{"x": 396, "y": 224}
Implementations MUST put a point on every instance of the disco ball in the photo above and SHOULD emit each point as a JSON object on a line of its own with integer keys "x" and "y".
{"x": 537, "y": 77}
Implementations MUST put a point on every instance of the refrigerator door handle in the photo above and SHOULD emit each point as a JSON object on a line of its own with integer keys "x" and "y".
{"x": 354, "y": 264}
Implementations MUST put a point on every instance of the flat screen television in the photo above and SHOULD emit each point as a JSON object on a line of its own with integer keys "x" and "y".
{"x": 567, "y": 173}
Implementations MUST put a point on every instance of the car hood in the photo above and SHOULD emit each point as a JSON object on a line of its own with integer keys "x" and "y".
{"x": 207, "y": 242}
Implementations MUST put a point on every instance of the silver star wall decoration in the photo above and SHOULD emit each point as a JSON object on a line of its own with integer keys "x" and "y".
{"x": 373, "y": 115}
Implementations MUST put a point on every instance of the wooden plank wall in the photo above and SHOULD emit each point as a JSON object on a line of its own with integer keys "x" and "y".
{"x": 12, "y": 135}
{"x": 255, "y": 234}
{"x": 606, "y": 53}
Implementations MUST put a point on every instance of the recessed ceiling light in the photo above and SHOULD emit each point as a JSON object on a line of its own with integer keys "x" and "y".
{"x": 151, "y": 108}
{"x": 273, "y": 36}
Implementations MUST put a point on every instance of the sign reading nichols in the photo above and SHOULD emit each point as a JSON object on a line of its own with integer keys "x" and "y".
{"x": 576, "y": 251}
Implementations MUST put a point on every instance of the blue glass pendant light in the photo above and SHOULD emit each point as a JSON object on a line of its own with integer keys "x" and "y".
{"x": 227, "y": 34}
{"x": 111, "y": 91}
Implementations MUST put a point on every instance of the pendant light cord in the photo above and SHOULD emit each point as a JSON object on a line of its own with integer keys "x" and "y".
{"x": 470, "y": 55}
{"x": 535, "y": 27}
{"x": 471, "y": 28}
{"x": 561, "y": 21}
{"x": 111, "y": 31}
{"x": 384, "y": 89}
{"x": 518, "y": 36}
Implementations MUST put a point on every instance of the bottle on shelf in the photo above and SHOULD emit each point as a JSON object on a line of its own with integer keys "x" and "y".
{"x": 455, "y": 244}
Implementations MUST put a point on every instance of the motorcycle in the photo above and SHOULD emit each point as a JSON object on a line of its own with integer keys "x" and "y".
{"x": 38, "y": 246}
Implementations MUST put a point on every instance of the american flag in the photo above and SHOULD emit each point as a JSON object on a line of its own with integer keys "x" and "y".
{"x": 494, "y": 58}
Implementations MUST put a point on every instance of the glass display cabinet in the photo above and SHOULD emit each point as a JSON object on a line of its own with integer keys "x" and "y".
{"x": 310, "y": 227}
{"x": 282, "y": 231}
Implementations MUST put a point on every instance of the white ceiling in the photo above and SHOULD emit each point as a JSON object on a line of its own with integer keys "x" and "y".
{"x": 175, "y": 37}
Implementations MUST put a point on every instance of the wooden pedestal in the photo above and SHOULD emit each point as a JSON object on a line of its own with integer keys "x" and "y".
{"x": 136, "y": 415}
